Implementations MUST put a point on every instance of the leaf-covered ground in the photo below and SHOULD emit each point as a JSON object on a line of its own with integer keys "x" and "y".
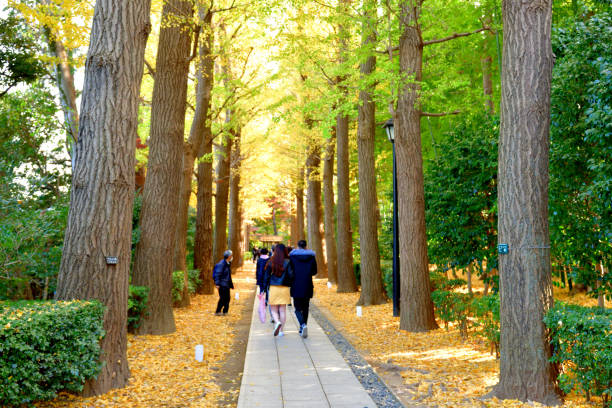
{"x": 437, "y": 368}
{"x": 164, "y": 370}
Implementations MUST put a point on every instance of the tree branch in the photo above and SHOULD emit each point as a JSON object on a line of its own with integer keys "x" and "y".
{"x": 453, "y": 36}
{"x": 455, "y": 112}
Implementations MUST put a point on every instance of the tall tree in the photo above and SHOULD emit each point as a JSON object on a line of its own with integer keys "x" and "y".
{"x": 416, "y": 306}
{"x": 155, "y": 252}
{"x": 203, "y": 242}
{"x": 525, "y": 276}
{"x": 372, "y": 292}
{"x": 191, "y": 147}
{"x": 313, "y": 206}
{"x": 328, "y": 208}
{"x": 99, "y": 221}
{"x": 346, "y": 276}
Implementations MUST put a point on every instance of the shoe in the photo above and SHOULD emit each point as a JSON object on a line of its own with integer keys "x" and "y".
{"x": 304, "y": 331}
{"x": 281, "y": 334}
{"x": 277, "y": 329}
{"x": 218, "y": 314}
{"x": 225, "y": 314}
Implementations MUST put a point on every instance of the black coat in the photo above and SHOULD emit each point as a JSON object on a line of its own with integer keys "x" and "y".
{"x": 222, "y": 275}
{"x": 304, "y": 266}
{"x": 260, "y": 274}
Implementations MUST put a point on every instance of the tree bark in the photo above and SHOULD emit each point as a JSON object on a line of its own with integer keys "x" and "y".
{"x": 203, "y": 242}
{"x": 222, "y": 196}
{"x": 328, "y": 209}
{"x": 372, "y": 292}
{"x": 191, "y": 148}
{"x": 203, "y": 245}
{"x": 235, "y": 219}
{"x": 100, "y": 217}
{"x": 347, "y": 281}
{"x": 525, "y": 276}
{"x": 417, "y": 314}
{"x": 67, "y": 90}
{"x": 313, "y": 204}
{"x": 154, "y": 253}
{"x": 299, "y": 204}
{"x": 346, "y": 275}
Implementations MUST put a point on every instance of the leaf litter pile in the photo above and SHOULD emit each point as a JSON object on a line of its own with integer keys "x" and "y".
{"x": 438, "y": 368}
{"x": 164, "y": 372}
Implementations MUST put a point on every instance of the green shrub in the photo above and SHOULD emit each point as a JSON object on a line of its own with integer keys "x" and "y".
{"x": 387, "y": 272}
{"x": 47, "y": 347}
{"x": 137, "y": 306}
{"x": 486, "y": 311}
{"x": 452, "y": 307}
{"x": 193, "y": 281}
{"x": 582, "y": 345}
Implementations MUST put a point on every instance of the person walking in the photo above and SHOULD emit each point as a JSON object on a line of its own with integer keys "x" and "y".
{"x": 259, "y": 269}
{"x": 304, "y": 266}
{"x": 222, "y": 275}
{"x": 278, "y": 281}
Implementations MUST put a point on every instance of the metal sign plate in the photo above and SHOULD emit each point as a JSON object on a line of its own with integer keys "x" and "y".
{"x": 502, "y": 248}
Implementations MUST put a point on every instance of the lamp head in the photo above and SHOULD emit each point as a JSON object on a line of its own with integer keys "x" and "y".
{"x": 389, "y": 128}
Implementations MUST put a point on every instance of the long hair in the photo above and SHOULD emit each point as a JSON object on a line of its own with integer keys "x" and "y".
{"x": 277, "y": 261}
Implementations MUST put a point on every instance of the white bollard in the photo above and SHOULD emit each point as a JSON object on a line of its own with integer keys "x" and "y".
{"x": 199, "y": 353}
{"x": 237, "y": 295}
{"x": 329, "y": 285}
{"x": 359, "y": 311}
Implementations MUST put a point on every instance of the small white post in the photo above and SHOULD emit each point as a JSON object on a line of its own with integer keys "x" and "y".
{"x": 359, "y": 314}
{"x": 199, "y": 353}
{"x": 237, "y": 295}
{"x": 329, "y": 285}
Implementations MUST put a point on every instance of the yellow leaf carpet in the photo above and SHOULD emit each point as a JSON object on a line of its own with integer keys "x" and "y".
{"x": 163, "y": 368}
{"x": 438, "y": 368}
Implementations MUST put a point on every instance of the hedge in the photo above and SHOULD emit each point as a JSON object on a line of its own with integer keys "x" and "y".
{"x": 47, "y": 347}
{"x": 582, "y": 346}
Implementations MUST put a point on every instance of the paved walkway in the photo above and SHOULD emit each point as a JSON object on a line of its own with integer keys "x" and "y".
{"x": 293, "y": 372}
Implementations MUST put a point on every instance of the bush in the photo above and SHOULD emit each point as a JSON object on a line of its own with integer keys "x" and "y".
{"x": 47, "y": 347}
{"x": 137, "y": 306}
{"x": 193, "y": 281}
{"x": 452, "y": 307}
{"x": 486, "y": 311}
{"x": 582, "y": 346}
{"x": 387, "y": 272}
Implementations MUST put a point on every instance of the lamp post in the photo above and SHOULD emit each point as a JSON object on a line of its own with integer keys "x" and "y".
{"x": 396, "y": 265}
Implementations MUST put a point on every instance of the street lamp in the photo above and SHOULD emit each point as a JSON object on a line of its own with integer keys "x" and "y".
{"x": 389, "y": 128}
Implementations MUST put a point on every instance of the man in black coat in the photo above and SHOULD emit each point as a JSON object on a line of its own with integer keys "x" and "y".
{"x": 222, "y": 275}
{"x": 304, "y": 265}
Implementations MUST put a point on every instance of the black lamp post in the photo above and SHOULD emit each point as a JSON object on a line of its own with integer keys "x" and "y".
{"x": 396, "y": 265}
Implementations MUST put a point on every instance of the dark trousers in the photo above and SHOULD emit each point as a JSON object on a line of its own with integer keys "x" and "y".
{"x": 301, "y": 306}
{"x": 224, "y": 299}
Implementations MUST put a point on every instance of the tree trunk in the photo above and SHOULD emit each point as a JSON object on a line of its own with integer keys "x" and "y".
{"x": 100, "y": 218}
{"x": 203, "y": 245}
{"x": 203, "y": 242}
{"x": 417, "y": 314}
{"x": 299, "y": 204}
{"x": 222, "y": 196}
{"x": 372, "y": 292}
{"x": 328, "y": 209}
{"x": 347, "y": 281}
{"x": 524, "y": 273}
{"x": 235, "y": 219}
{"x": 160, "y": 198}
{"x": 192, "y": 148}
{"x": 469, "y": 271}
{"x": 346, "y": 275}
{"x": 67, "y": 90}
{"x": 313, "y": 204}
{"x": 274, "y": 226}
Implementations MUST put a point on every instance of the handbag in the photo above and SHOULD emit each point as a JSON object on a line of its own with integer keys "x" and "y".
{"x": 262, "y": 307}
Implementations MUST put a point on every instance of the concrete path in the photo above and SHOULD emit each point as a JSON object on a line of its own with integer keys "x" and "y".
{"x": 293, "y": 372}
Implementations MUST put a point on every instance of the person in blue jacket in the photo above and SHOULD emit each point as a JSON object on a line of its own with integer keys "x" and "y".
{"x": 222, "y": 275}
{"x": 259, "y": 269}
{"x": 304, "y": 266}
